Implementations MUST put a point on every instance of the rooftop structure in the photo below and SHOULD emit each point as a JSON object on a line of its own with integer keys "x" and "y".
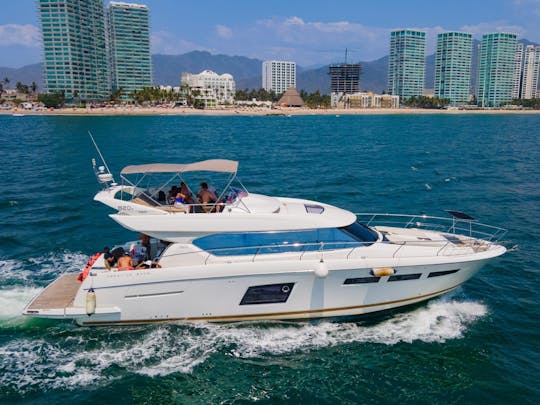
{"x": 291, "y": 98}
{"x": 129, "y": 47}
{"x": 406, "y": 64}
{"x": 278, "y": 76}
{"x": 75, "y": 61}
{"x": 453, "y": 67}
{"x": 496, "y": 72}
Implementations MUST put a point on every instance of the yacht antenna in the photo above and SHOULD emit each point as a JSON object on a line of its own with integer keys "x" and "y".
{"x": 102, "y": 175}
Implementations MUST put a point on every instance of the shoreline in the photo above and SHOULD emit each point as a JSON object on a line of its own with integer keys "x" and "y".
{"x": 253, "y": 111}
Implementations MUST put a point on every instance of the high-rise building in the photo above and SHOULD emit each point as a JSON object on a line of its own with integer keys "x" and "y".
{"x": 453, "y": 67}
{"x": 531, "y": 67}
{"x": 518, "y": 71}
{"x": 496, "y": 73}
{"x": 128, "y": 28}
{"x": 406, "y": 64}
{"x": 278, "y": 76}
{"x": 75, "y": 60}
{"x": 344, "y": 78}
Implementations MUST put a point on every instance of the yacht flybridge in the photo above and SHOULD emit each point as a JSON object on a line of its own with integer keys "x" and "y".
{"x": 232, "y": 255}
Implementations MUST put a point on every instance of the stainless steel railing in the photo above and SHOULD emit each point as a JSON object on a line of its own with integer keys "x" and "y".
{"x": 450, "y": 225}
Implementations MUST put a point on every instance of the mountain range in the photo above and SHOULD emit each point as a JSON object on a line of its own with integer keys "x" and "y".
{"x": 247, "y": 71}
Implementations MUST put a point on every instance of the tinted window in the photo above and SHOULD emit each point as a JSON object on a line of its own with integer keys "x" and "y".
{"x": 249, "y": 243}
{"x": 267, "y": 294}
{"x": 401, "y": 277}
{"x": 442, "y": 273}
{"x": 362, "y": 280}
{"x": 361, "y": 232}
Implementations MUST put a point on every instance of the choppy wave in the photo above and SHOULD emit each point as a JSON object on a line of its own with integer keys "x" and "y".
{"x": 40, "y": 270}
{"x": 80, "y": 357}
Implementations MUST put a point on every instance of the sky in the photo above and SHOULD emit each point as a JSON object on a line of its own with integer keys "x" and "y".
{"x": 311, "y": 33}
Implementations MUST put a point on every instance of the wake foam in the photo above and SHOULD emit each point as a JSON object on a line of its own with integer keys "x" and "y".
{"x": 81, "y": 357}
{"x": 13, "y": 301}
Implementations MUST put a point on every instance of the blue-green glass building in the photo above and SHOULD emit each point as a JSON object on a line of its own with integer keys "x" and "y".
{"x": 75, "y": 60}
{"x": 128, "y": 27}
{"x": 407, "y": 63}
{"x": 496, "y": 71}
{"x": 453, "y": 67}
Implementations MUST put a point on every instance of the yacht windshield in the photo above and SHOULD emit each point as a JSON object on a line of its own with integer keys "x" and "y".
{"x": 228, "y": 244}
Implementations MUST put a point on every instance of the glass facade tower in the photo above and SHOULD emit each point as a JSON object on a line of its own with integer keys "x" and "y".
{"x": 496, "y": 72}
{"x": 75, "y": 60}
{"x": 406, "y": 64}
{"x": 453, "y": 67}
{"x": 128, "y": 27}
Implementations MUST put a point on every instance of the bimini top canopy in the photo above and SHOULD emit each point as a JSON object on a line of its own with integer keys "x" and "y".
{"x": 212, "y": 165}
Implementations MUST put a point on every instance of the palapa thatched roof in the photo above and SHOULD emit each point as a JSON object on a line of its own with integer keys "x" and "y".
{"x": 291, "y": 98}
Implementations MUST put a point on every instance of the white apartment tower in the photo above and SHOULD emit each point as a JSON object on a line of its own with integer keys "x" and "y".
{"x": 531, "y": 65}
{"x": 278, "y": 76}
{"x": 518, "y": 69}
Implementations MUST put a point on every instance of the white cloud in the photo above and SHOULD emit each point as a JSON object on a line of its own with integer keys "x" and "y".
{"x": 15, "y": 34}
{"x": 496, "y": 26}
{"x": 164, "y": 42}
{"x": 223, "y": 32}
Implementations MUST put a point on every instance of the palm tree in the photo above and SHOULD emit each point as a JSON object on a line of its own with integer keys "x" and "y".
{"x": 34, "y": 87}
{"x": 6, "y": 80}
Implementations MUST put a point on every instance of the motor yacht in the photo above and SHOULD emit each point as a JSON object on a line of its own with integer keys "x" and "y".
{"x": 244, "y": 256}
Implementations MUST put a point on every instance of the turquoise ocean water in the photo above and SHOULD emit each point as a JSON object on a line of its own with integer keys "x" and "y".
{"x": 477, "y": 344}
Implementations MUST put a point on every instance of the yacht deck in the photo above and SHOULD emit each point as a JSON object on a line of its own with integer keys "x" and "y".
{"x": 59, "y": 294}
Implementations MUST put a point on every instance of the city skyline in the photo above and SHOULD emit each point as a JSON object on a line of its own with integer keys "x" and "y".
{"x": 310, "y": 33}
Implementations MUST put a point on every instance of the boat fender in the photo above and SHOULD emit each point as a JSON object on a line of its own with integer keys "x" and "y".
{"x": 383, "y": 271}
{"x": 90, "y": 302}
{"x": 321, "y": 270}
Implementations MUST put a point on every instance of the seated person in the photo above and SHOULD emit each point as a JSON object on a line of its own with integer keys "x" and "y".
{"x": 161, "y": 197}
{"x": 148, "y": 264}
{"x": 184, "y": 189}
{"x": 108, "y": 258}
{"x": 207, "y": 197}
{"x": 125, "y": 262}
{"x": 180, "y": 201}
{"x": 172, "y": 194}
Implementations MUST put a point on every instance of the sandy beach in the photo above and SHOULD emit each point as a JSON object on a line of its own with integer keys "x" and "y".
{"x": 253, "y": 111}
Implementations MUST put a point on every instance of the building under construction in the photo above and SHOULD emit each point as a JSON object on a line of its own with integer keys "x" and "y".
{"x": 344, "y": 78}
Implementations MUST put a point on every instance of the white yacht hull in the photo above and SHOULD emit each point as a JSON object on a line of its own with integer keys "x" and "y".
{"x": 214, "y": 292}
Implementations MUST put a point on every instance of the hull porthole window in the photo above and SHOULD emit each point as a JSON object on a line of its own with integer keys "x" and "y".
{"x": 267, "y": 294}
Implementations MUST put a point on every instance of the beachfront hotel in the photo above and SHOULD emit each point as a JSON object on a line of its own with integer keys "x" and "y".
{"x": 128, "y": 29}
{"x": 278, "y": 76}
{"x": 453, "y": 67}
{"x": 406, "y": 64}
{"x": 75, "y": 60}
{"x": 531, "y": 69}
{"x": 496, "y": 72}
{"x": 209, "y": 87}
